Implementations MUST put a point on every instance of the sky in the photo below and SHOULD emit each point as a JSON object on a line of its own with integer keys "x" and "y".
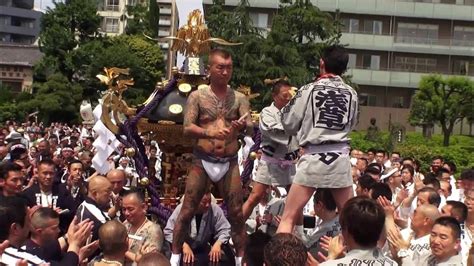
{"x": 41, "y": 5}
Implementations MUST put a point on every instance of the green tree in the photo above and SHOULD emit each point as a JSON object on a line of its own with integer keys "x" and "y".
{"x": 444, "y": 101}
{"x": 143, "y": 18}
{"x": 74, "y": 49}
{"x": 64, "y": 28}
{"x": 57, "y": 99}
{"x": 143, "y": 57}
{"x": 299, "y": 31}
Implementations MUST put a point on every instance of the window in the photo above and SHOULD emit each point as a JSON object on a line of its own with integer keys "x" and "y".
{"x": 111, "y": 25}
{"x": 259, "y": 20}
{"x": 112, "y": 5}
{"x": 417, "y": 33}
{"x": 397, "y": 102}
{"x": 373, "y": 27}
{"x": 371, "y": 62}
{"x": 352, "y": 61}
{"x": 351, "y": 25}
{"x": 4, "y": 20}
{"x": 463, "y": 36}
{"x": 367, "y": 99}
{"x": 463, "y": 67}
{"x": 414, "y": 64}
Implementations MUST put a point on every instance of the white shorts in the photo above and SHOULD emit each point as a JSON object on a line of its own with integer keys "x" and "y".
{"x": 273, "y": 174}
{"x": 324, "y": 170}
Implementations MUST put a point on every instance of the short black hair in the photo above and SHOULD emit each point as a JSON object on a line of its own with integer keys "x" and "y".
{"x": 73, "y": 161}
{"x": 467, "y": 174}
{"x": 410, "y": 169}
{"x": 285, "y": 249}
{"x": 137, "y": 191}
{"x": 408, "y": 159}
{"x": 433, "y": 182}
{"x": 7, "y": 167}
{"x": 442, "y": 171}
{"x": 46, "y": 161}
{"x": 220, "y": 52}
{"x": 438, "y": 157}
{"x": 373, "y": 169}
{"x": 381, "y": 189}
{"x": 365, "y": 160}
{"x": 450, "y": 222}
{"x": 43, "y": 214}
{"x": 380, "y": 151}
{"x": 335, "y": 59}
{"x": 12, "y": 210}
{"x": 372, "y": 150}
{"x": 459, "y": 209}
{"x": 452, "y": 166}
{"x": 364, "y": 220}
{"x": 433, "y": 198}
{"x": 366, "y": 182}
{"x": 254, "y": 248}
{"x": 278, "y": 85}
{"x": 325, "y": 196}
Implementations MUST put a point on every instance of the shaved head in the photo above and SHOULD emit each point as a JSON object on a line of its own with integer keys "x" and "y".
{"x": 117, "y": 179}
{"x": 97, "y": 182}
{"x": 429, "y": 211}
{"x": 113, "y": 238}
{"x": 100, "y": 190}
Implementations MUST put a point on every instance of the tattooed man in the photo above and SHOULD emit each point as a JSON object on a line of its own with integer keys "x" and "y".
{"x": 215, "y": 116}
{"x": 321, "y": 115}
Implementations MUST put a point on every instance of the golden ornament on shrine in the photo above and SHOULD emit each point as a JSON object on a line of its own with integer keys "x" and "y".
{"x": 130, "y": 152}
{"x": 144, "y": 181}
{"x": 253, "y": 155}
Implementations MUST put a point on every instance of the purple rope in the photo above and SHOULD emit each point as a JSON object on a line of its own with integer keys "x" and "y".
{"x": 248, "y": 168}
{"x": 129, "y": 130}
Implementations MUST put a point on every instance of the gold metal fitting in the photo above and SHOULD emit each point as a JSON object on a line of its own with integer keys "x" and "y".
{"x": 253, "y": 155}
{"x": 130, "y": 152}
{"x": 144, "y": 181}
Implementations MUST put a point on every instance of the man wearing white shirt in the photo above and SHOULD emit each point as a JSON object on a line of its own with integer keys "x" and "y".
{"x": 416, "y": 239}
{"x": 445, "y": 241}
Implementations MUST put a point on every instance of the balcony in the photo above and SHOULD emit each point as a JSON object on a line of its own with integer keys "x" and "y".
{"x": 165, "y": 11}
{"x": 398, "y": 8}
{"x": 19, "y": 30}
{"x": 408, "y": 44}
{"x": 164, "y": 22}
{"x": 389, "y": 77}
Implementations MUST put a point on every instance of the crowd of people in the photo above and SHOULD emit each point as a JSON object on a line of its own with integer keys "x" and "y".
{"x": 314, "y": 200}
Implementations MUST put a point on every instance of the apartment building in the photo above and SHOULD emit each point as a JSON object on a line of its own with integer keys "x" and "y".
{"x": 392, "y": 44}
{"x": 114, "y": 15}
{"x": 19, "y": 23}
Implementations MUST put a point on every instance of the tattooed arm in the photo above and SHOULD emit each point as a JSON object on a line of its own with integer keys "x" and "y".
{"x": 191, "y": 129}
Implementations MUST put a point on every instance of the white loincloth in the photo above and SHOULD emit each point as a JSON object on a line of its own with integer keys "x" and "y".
{"x": 215, "y": 171}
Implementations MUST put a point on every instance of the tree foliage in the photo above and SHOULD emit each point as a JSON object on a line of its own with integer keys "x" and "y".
{"x": 299, "y": 31}
{"x": 56, "y": 100}
{"x": 64, "y": 28}
{"x": 75, "y": 52}
{"x": 443, "y": 101}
